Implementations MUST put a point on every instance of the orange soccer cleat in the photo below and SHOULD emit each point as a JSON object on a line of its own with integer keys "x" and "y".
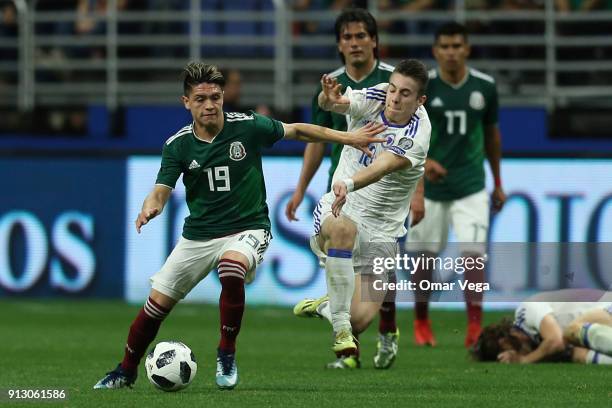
{"x": 423, "y": 336}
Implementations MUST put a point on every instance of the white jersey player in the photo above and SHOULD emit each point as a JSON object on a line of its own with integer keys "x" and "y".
{"x": 364, "y": 214}
{"x": 528, "y": 316}
{"x": 381, "y": 206}
{"x": 547, "y": 323}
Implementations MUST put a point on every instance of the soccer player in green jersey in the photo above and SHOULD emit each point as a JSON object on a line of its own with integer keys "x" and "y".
{"x": 219, "y": 156}
{"x": 462, "y": 106}
{"x": 357, "y": 40}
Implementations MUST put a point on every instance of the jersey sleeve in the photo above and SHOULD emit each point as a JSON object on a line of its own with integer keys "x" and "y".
{"x": 171, "y": 167}
{"x": 492, "y": 106}
{"x": 529, "y": 315}
{"x": 413, "y": 143}
{"x": 268, "y": 131}
{"x": 366, "y": 101}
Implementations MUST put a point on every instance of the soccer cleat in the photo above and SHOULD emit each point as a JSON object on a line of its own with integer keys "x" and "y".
{"x": 308, "y": 307}
{"x": 423, "y": 336}
{"x": 345, "y": 344}
{"x": 117, "y": 378}
{"x": 227, "y": 371}
{"x": 386, "y": 349}
{"x": 473, "y": 332}
{"x": 349, "y": 362}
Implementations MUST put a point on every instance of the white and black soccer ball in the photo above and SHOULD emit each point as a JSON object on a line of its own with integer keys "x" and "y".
{"x": 171, "y": 366}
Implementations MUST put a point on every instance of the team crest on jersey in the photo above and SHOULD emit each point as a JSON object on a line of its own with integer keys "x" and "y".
{"x": 405, "y": 143}
{"x": 237, "y": 151}
{"x": 477, "y": 100}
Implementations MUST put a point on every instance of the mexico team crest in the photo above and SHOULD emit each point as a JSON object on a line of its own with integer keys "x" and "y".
{"x": 237, "y": 151}
{"x": 477, "y": 100}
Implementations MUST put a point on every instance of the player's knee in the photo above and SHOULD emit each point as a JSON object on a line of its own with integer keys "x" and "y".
{"x": 236, "y": 257}
{"x": 164, "y": 301}
{"x": 342, "y": 235}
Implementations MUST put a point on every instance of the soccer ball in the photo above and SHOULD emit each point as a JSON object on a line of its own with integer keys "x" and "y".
{"x": 171, "y": 366}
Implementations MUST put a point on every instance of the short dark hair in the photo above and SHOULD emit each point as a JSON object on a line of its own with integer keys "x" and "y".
{"x": 196, "y": 73}
{"x": 416, "y": 70}
{"x": 487, "y": 346}
{"x": 452, "y": 28}
{"x": 357, "y": 15}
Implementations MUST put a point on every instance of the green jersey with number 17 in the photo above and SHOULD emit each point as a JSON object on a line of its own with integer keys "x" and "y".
{"x": 381, "y": 73}
{"x": 223, "y": 178}
{"x": 459, "y": 113}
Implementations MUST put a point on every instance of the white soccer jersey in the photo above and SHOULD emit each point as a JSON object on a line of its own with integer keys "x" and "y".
{"x": 528, "y": 315}
{"x": 383, "y": 206}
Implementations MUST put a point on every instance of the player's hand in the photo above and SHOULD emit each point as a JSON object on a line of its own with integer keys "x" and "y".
{"x": 333, "y": 90}
{"x": 498, "y": 199}
{"x": 293, "y": 204}
{"x": 340, "y": 191}
{"x": 434, "y": 171}
{"x": 509, "y": 356}
{"x": 145, "y": 216}
{"x": 417, "y": 209}
{"x": 364, "y": 136}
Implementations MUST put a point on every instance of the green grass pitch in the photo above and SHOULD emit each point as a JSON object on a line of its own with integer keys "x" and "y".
{"x": 70, "y": 345}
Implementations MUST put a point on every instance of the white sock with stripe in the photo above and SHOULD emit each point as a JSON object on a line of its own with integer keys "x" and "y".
{"x": 340, "y": 278}
{"x": 595, "y": 357}
{"x": 597, "y": 337}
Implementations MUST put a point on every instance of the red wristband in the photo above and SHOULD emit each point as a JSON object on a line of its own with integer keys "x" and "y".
{"x": 497, "y": 181}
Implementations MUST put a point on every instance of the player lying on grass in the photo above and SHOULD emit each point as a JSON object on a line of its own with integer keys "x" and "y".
{"x": 228, "y": 229}
{"x": 567, "y": 325}
{"x": 362, "y": 218}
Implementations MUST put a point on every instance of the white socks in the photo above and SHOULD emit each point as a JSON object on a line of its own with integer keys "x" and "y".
{"x": 597, "y": 337}
{"x": 340, "y": 287}
{"x": 594, "y": 357}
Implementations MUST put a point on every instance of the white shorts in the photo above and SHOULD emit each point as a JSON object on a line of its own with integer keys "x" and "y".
{"x": 469, "y": 217}
{"x": 368, "y": 244}
{"x": 191, "y": 261}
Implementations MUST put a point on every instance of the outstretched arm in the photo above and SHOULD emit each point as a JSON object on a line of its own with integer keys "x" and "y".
{"x": 384, "y": 164}
{"x": 153, "y": 205}
{"x": 359, "y": 139}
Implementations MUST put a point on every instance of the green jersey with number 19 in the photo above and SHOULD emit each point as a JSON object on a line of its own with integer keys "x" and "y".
{"x": 459, "y": 114}
{"x": 381, "y": 73}
{"x": 223, "y": 178}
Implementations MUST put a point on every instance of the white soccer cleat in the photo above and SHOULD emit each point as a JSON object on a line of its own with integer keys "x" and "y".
{"x": 227, "y": 371}
{"x": 386, "y": 349}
